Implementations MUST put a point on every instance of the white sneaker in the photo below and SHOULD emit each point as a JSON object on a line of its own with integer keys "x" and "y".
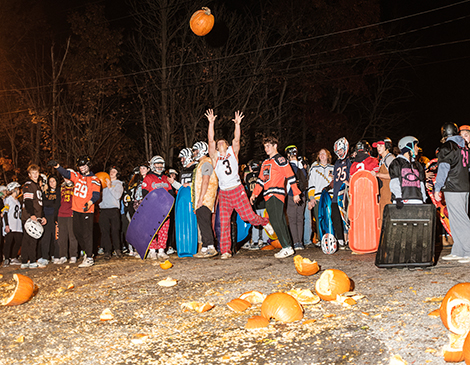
{"x": 170, "y": 251}
{"x": 464, "y": 260}
{"x": 24, "y": 266}
{"x": 285, "y": 252}
{"x": 152, "y": 255}
{"x": 226, "y": 256}
{"x": 15, "y": 262}
{"x": 73, "y": 260}
{"x": 33, "y": 265}
{"x": 269, "y": 228}
{"x": 87, "y": 262}
{"x": 451, "y": 257}
{"x": 60, "y": 261}
{"x": 55, "y": 261}
{"x": 163, "y": 256}
{"x": 43, "y": 262}
{"x": 246, "y": 246}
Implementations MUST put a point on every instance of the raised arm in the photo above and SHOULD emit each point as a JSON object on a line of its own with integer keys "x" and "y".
{"x": 210, "y": 134}
{"x": 236, "y": 138}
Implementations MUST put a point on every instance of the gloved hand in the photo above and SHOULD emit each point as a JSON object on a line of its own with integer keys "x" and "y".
{"x": 399, "y": 203}
{"x": 52, "y": 163}
{"x": 86, "y": 207}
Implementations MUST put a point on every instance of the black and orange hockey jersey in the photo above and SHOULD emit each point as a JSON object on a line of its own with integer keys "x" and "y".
{"x": 275, "y": 171}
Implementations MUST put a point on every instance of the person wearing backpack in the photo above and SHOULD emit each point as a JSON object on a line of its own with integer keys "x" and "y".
{"x": 295, "y": 211}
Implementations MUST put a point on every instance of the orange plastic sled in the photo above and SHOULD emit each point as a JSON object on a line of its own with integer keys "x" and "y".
{"x": 364, "y": 213}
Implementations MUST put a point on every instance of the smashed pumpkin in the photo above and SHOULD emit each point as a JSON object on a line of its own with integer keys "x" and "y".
{"x": 331, "y": 283}
{"x": 23, "y": 291}
{"x": 304, "y": 266}
{"x": 455, "y": 309}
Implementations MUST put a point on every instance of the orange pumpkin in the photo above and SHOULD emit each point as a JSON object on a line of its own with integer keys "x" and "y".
{"x": 466, "y": 349}
{"x": 103, "y": 176}
{"x": 256, "y": 322}
{"x": 23, "y": 291}
{"x": 331, "y": 283}
{"x": 202, "y": 21}
{"x": 304, "y": 266}
{"x": 253, "y": 297}
{"x": 197, "y": 306}
{"x": 455, "y": 309}
{"x": 282, "y": 307}
{"x": 276, "y": 244}
{"x": 453, "y": 351}
{"x": 268, "y": 247}
{"x": 238, "y": 305}
{"x": 166, "y": 265}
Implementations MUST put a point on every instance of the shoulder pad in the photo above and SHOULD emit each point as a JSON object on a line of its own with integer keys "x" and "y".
{"x": 280, "y": 160}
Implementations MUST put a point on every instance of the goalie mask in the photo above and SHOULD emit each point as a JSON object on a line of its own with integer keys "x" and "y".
{"x": 341, "y": 148}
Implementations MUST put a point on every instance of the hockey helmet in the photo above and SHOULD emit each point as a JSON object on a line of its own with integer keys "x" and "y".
{"x": 291, "y": 150}
{"x": 13, "y": 185}
{"x": 449, "y": 130}
{"x": 202, "y": 149}
{"x": 341, "y": 147}
{"x": 362, "y": 146}
{"x": 407, "y": 144}
{"x": 33, "y": 228}
{"x": 83, "y": 160}
{"x": 187, "y": 155}
{"x": 157, "y": 159}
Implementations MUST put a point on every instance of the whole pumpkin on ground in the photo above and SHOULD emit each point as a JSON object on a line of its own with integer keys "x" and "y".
{"x": 201, "y": 22}
{"x": 282, "y": 307}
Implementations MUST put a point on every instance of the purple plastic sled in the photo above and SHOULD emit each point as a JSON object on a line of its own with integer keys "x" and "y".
{"x": 148, "y": 218}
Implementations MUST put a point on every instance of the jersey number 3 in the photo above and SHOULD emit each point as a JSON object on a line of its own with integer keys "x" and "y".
{"x": 80, "y": 190}
{"x": 228, "y": 171}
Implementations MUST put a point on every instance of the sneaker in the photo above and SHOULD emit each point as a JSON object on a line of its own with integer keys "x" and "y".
{"x": 206, "y": 254}
{"x": 269, "y": 228}
{"x": 309, "y": 243}
{"x": 24, "y": 266}
{"x": 211, "y": 252}
{"x": 246, "y": 246}
{"x": 464, "y": 260}
{"x": 118, "y": 253}
{"x": 152, "y": 255}
{"x": 260, "y": 242}
{"x": 6, "y": 263}
{"x": 15, "y": 262}
{"x": 100, "y": 251}
{"x": 34, "y": 265}
{"x": 60, "y": 261}
{"x": 318, "y": 244}
{"x": 170, "y": 251}
{"x": 285, "y": 252}
{"x": 226, "y": 256}
{"x": 451, "y": 257}
{"x": 55, "y": 261}
{"x": 73, "y": 260}
{"x": 298, "y": 246}
{"x": 107, "y": 256}
{"x": 87, "y": 262}
{"x": 254, "y": 247}
{"x": 131, "y": 253}
{"x": 43, "y": 262}
{"x": 162, "y": 256}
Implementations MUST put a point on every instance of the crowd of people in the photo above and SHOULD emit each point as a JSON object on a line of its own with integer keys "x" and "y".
{"x": 46, "y": 221}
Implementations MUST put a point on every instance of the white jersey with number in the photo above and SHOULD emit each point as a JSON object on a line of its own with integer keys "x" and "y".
{"x": 13, "y": 209}
{"x": 226, "y": 170}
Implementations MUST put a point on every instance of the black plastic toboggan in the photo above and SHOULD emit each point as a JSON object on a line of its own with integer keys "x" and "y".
{"x": 408, "y": 236}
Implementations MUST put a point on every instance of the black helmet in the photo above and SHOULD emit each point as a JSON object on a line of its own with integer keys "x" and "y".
{"x": 291, "y": 150}
{"x": 83, "y": 160}
{"x": 363, "y": 146}
{"x": 254, "y": 165}
{"x": 449, "y": 130}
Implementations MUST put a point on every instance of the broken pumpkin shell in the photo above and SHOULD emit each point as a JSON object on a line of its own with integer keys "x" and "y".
{"x": 331, "y": 283}
{"x": 304, "y": 296}
{"x": 23, "y": 291}
{"x": 198, "y": 306}
{"x": 466, "y": 349}
{"x": 304, "y": 266}
{"x": 256, "y": 322}
{"x": 167, "y": 282}
{"x": 106, "y": 315}
{"x": 453, "y": 351}
{"x": 455, "y": 309}
{"x": 166, "y": 265}
{"x": 282, "y": 307}
{"x": 253, "y": 297}
{"x": 238, "y": 305}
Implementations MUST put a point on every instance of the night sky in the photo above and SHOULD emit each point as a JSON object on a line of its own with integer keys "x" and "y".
{"x": 438, "y": 76}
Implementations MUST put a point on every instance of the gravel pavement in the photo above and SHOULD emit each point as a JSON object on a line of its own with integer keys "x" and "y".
{"x": 62, "y": 326}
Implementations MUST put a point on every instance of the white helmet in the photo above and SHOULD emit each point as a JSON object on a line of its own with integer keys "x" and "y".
{"x": 328, "y": 244}
{"x": 341, "y": 147}
{"x": 154, "y": 160}
{"x": 13, "y": 185}
{"x": 202, "y": 149}
{"x": 34, "y": 228}
{"x": 187, "y": 154}
{"x": 407, "y": 144}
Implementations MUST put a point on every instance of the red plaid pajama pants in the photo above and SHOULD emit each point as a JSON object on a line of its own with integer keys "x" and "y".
{"x": 160, "y": 240}
{"x": 238, "y": 200}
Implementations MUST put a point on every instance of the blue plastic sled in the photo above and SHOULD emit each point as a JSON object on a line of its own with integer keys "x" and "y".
{"x": 325, "y": 224}
{"x": 148, "y": 218}
{"x": 243, "y": 229}
{"x": 185, "y": 224}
